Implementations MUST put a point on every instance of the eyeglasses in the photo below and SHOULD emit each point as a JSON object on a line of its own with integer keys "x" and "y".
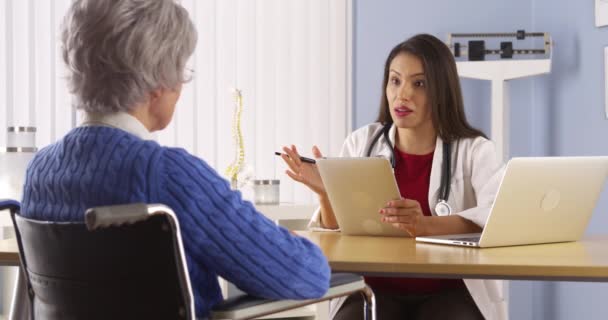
{"x": 188, "y": 74}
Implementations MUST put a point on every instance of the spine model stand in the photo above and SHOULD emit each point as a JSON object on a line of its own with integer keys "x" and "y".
{"x": 237, "y": 165}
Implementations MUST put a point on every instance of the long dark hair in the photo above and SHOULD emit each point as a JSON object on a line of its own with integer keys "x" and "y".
{"x": 443, "y": 87}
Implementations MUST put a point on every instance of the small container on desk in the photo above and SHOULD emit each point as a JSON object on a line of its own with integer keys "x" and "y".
{"x": 266, "y": 191}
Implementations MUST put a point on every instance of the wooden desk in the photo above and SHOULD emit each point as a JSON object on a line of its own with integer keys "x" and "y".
{"x": 585, "y": 260}
{"x": 9, "y": 252}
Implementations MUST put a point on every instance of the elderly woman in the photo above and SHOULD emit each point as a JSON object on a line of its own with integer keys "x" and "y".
{"x": 126, "y": 61}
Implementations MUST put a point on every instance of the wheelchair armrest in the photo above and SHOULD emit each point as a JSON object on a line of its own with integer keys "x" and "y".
{"x": 10, "y": 204}
{"x": 245, "y": 306}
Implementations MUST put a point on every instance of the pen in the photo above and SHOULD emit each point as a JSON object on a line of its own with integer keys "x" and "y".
{"x": 304, "y": 159}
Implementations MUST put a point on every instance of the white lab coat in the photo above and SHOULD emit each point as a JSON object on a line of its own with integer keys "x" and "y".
{"x": 475, "y": 177}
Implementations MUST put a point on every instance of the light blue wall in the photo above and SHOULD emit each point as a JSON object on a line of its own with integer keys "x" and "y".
{"x": 557, "y": 114}
{"x": 380, "y": 24}
{"x": 570, "y": 120}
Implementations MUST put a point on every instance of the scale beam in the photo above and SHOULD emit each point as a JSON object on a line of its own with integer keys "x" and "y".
{"x": 500, "y": 72}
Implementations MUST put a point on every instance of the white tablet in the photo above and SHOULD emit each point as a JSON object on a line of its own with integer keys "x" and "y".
{"x": 358, "y": 188}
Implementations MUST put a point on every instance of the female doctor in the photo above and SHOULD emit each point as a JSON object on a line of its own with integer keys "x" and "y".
{"x": 447, "y": 172}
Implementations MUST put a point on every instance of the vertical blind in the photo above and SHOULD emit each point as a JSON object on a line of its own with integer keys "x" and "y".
{"x": 290, "y": 58}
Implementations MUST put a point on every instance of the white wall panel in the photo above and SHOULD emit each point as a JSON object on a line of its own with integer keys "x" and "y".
{"x": 264, "y": 108}
{"x": 64, "y": 116}
{"x": 318, "y": 77}
{"x": 44, "y": 45}
{"x": 20, "y": 83}
{"x": 337, "y": 77}
{"x": 290, "y": 58}
{"x": 298, "y": 80}
{"x": 245, "y": 74}
{"x": 225, "y": 47}
{"x": 283, "y": 91}
{"x": 183, "y": 120}
{"x": 204, "y": 82}
{"x": 3, "y": 70}
{"x": 9, "y": 81}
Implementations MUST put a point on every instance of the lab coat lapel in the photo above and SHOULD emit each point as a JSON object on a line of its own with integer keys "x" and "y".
{"x": 435, "y": 183}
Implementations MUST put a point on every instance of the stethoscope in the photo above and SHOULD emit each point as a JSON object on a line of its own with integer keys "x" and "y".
{"x": 442, "y": 208}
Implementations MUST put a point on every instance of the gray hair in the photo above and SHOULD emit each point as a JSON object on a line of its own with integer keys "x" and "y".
{"x": 119, "y": 51}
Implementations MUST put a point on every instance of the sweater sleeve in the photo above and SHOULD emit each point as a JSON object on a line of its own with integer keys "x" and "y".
{"x": 226, "y": 235}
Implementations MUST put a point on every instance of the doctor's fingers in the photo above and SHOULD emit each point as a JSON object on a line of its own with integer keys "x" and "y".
{"x": 294, "y": 154}
{"x": 403, "y": 203}
{"x": 295, "y": 176}
{"x": 409, "y": 219}
{"x": 400, "y": 211}
{"x": 292, "y": 166}
{"x": 291, "y": 159}
{"x": 316, "y": 152}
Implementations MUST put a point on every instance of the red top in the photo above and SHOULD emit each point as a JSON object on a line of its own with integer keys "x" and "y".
{"x": 413, "y": 175}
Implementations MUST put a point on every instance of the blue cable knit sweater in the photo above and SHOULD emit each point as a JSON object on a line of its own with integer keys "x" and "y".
{"x": 222, "y": 234}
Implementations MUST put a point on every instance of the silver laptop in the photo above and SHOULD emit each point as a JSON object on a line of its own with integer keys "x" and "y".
{"x": 540, "y": 200}
{"x": 357, "y": 189}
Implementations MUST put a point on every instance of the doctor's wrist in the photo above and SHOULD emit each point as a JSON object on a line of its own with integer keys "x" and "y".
{"x": 323, "y": 197}
{"x": 326, "y": 216}
{"x": 424, "y": 226}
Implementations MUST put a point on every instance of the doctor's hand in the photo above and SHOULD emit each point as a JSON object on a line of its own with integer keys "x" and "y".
{"x": 404, "y": 214}
{"x": 306, "y": 173}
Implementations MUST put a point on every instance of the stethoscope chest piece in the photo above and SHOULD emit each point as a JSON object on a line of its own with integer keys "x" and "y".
{"x": 443, "y": 208}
